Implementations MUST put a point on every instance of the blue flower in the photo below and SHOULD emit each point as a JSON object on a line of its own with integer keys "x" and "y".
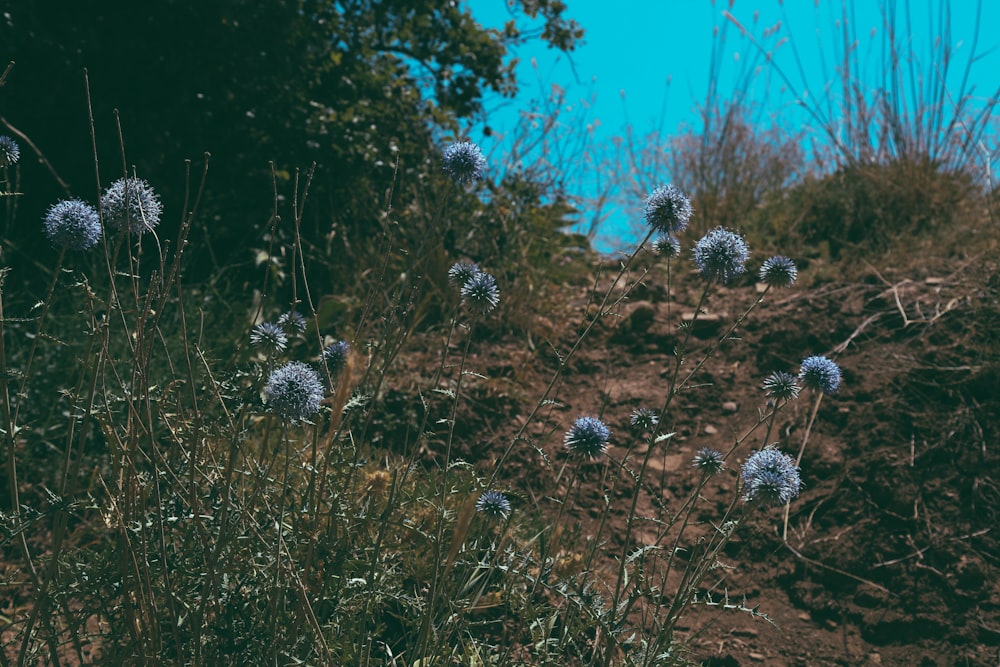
{"x": 480, "y": 292}
{"x": 778, "y": 271}
{"x": 269, "y": 337}
{"x": 709, "y": 461}
{"x": 667, "y": 246}
{"x": 461, "y": 272}
{"x": 10, "y": 152}
{"x": 588, "y": 438}
{"x": 494, "y": 505}
{"x": 721, "y": 255}
{"x": 770, "y": 477}
{"x": 132, "y": 202}
{"x": 781, "y": 385}
{"x": 294, "y": 391}
{"x": 668, "y": 210}
{"x": 644, "y": 419}
{"x": 335, "y": 356}
{"x": 73, "y": 224}
{"x": 820, "y": 373}
{"x": 464, "y": 162}
{"x": 293, "y": 321}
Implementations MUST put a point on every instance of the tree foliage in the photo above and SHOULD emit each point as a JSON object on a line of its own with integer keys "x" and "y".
{"x": 352, "y": 85}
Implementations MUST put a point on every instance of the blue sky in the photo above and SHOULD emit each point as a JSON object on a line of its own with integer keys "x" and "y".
{"x": 646, "y": 62}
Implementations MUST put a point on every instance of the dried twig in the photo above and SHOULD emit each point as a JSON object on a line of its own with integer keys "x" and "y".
{"x": 837, "y": 570}
{"x": 41, "y": 156}
{"x": 839, "y": 349}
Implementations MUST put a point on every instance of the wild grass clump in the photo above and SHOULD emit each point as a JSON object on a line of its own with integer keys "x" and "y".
{"x": 867, "y": 209}
{"x": 194, "y": 482}
{"x": 895, "y": 144}
{"x": 735, "y": 164}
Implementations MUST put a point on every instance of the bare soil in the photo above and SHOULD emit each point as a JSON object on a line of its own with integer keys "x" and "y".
{"x": 892, "y": 554}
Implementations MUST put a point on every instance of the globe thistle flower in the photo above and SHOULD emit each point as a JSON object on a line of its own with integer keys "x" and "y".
{"x": 667, "y": 246}
{"x": 132, "y": 202}
{"x": 668, "y": 210}
{"x": 820, "y": 373}
{"x": 73, "y": 224}
{"x": 721, "y": 255}
{"x": 461, "y": 272}
{"x": 464, "y": 162}
{"x": 335, "y": 356}
{"x": 493, "y": 505}
{"x": 778, "y": 271}
{"x": 294, "y": 391}
{"x": 644, "y": 419}
{"x": 10, "y": 152}
{"x": 709, "y": 461}
{"x": 781, "y": 385}
{"x": 269, "y": 337}
{"x": 480, "y": 292}
{"x": 771, "y": 477}
{"x": 292, "y": 321}
{"x": 587, "y": 438}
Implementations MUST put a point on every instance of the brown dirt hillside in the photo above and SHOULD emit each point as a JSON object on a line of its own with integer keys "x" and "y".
{"x": 893, "y": 551}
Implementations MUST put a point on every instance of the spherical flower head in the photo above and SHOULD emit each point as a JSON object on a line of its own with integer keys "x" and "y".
{"x": 778, "y": 271}
{"x": 132, "y": 202}
{"x": 294, "y": 391}
{"x": 269, "y": 337}
{"x": 644, "y": 419}
{"x": 461, "y": 272}
{"x": 73, "y": 224}
{"x": 667, "y": 246}
{"x": 335, "y": 356}
{"x": 668, "y": 209}
{"x": 493, "y": 505}
{"x": 721, "y": 255}
{"x": 771, "y": 477}
{"x": 480, "y": 292}
{"x": 293, "y": 322}
{"x": 821, "y": 374}
{"x": 588, "y": 438}
{"x": 709, "y": 461}
{"x": 464, "y": 162}
{"x": 10, "y": 152}
{"x": 781, "y": 385}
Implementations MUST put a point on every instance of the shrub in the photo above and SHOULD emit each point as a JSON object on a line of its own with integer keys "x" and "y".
{"x": 867, "y": 209}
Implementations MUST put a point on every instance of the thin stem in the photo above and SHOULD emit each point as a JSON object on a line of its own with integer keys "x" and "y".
{"x": 798, "y": 459}
{"x": 436, "y": 582}
{"x": 46, "y": 304}
{"x": 563, "y": 361}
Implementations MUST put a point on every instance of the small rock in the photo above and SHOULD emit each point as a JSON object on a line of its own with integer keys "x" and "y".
{"x": 933, "y": 281}
{"x": 730, "y": 406}
{"x": 759, "y": 657}
{"x": 710, "y": 430}
{"x": 761, "y": 288}
{"x": 874, "y": 658}
{"x": 703, "y": 318}
{"x": 704, "y": 325}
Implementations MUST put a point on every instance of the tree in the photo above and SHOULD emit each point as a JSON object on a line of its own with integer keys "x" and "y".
{"x": 352, "y": 85}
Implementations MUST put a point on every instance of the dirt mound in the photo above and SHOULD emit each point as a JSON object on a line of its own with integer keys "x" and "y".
{"x": 892, "y": 549}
